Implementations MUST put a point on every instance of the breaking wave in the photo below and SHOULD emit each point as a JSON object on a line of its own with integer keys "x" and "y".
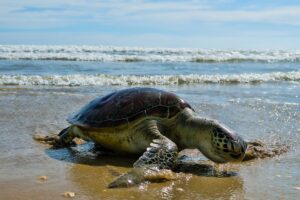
{"x": 104, "y": 79}
{"x": 131, "y": 54}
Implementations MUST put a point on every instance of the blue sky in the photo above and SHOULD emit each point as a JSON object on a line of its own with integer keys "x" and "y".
{"x": 224, "y": 24}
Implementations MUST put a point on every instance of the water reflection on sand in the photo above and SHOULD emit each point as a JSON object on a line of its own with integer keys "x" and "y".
{"x": 92, "y": 180}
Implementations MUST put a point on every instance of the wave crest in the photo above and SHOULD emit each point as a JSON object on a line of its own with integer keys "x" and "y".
{"x": 131, "y": 54}
{"x": 104, "y": 79}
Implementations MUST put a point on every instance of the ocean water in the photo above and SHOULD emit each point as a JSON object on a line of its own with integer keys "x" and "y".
{"x": 97, "y": 65}
{"x": 256, "y": 93}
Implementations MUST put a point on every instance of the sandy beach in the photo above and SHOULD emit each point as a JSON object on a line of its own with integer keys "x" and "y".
{"x": 29, "y": 110}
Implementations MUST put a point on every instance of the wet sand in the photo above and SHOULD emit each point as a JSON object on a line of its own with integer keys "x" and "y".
{"x": 28, "y": 110}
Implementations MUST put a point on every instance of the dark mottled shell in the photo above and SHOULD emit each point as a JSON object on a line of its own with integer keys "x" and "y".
{"x": 127, "y": 105}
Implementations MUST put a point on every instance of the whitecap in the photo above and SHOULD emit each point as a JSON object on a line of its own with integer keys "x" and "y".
{"x": 132, "y": 54}
{"x": 105, "y": 79}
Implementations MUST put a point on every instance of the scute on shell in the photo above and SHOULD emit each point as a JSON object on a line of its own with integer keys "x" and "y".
{"x": 127, "y": 105}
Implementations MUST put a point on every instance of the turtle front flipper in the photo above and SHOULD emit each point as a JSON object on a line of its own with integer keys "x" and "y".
{"x": 155, "y": 163}
{"x": 161, "y": 154}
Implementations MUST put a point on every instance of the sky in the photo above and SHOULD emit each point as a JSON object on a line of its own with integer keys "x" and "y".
{"x": 219, "y": 24}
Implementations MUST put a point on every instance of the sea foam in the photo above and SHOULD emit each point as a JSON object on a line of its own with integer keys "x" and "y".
{"x": 131, "y": 54}
{"x": 104, "y": 79}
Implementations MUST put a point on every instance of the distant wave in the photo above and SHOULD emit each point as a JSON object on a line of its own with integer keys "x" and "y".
{"x": 104, "y": 79}
{"x": 131, "y": 54}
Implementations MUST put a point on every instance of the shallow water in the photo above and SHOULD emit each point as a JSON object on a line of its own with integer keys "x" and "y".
{"x": 255, "y": 93}
{"x": 267, "y": 111}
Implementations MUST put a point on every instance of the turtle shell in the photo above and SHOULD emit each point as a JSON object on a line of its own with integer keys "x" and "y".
{"x": 128, "y": 105}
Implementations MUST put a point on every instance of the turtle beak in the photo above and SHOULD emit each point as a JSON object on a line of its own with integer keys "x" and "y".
{"x": 237, "y": 149}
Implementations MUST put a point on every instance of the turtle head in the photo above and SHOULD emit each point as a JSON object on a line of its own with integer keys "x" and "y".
{"x": 222, "y": 145}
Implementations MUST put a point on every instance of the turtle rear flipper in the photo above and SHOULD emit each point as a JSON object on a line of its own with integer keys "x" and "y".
{"x": 46, "y": 139}
{"x": 155, "y": 163}
{"x": 62, "y": 139}
{"x": 65, "y": 138}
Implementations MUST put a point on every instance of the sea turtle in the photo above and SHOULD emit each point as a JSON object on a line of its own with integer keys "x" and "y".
{"x": 153, "y": 123}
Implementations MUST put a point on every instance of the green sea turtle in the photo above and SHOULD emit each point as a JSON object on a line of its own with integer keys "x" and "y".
{"x": 154, "y": 124}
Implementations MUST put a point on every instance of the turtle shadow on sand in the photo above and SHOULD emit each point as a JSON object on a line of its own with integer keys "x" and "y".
{"x": 86, "y": 154}
{"x": 189, "y": 161}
